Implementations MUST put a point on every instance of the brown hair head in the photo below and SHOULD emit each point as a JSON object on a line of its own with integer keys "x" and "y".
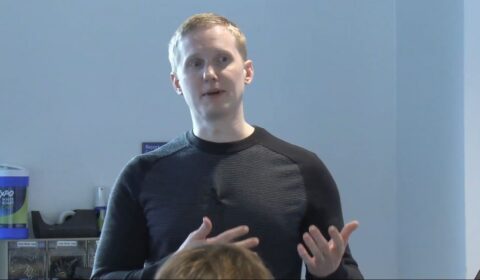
{"x": 215, "y": 261}
{"x": 204, "y": 20}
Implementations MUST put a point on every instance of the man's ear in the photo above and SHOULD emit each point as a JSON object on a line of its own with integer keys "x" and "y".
{"x": 249, "y": 72}
{"x": 176, "y": 83}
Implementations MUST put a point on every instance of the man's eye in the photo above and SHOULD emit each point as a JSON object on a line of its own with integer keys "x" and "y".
{"x": 224, "y": 59}
{"x": 195, "y": 63}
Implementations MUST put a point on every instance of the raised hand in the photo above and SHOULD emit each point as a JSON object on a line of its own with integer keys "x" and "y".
{"x": 199, "y": 236}
{"x": 326, "y": 255}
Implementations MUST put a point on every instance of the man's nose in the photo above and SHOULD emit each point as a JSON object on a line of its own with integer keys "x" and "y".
{"x": 209, "y": 73}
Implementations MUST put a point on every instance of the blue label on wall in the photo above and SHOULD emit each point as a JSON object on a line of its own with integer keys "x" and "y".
{"x": 150, "y": 146}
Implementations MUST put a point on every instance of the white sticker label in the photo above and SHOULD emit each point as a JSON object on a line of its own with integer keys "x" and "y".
{"x": 66, "y": 243}
{"x": 27, "y": 244}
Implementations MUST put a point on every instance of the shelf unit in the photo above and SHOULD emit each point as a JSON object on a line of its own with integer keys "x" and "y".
{"x": 54, "y": 257}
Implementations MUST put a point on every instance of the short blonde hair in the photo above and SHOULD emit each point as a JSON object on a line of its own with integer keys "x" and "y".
{"x": 214, "y": 261}
{"x": 204, "y": 20}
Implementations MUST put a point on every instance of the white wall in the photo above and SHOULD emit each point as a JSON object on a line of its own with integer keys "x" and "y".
{"x": 431, "y": 207}
{"x": 472, "y": 135}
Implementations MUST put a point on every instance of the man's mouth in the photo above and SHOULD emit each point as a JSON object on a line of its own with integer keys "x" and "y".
{"x": 213, "y": 92}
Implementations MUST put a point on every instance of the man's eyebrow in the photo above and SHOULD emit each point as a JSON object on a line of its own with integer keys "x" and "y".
{"x": 223, "y": 51}
{"x": 190, "y": 56}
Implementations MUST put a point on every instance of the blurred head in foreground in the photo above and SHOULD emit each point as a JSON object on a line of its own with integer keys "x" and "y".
{"x": 219, "y": 261}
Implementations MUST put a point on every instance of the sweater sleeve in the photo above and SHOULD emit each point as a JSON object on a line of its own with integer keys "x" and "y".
{"x": 324, "y": 209}
{"x": 123, "y": 247}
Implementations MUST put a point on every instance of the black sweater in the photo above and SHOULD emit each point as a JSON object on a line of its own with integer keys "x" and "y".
{"x": 274, "y": 187}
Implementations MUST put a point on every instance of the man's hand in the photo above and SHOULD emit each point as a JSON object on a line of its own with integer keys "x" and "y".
{"x": 327, "y": 255}
{"x": 199, "y": 236}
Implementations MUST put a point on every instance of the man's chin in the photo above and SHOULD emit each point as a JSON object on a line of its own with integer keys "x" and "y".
{"x": 216, "y": 115}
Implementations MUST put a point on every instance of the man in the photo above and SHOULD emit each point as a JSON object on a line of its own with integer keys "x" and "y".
{"x": 245, "y": 185}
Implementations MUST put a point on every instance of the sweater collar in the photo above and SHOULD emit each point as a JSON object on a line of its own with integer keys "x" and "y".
{"x": 228, "y": 147}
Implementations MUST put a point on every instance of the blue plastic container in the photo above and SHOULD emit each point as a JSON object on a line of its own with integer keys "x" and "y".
{"x": 13, "y": 202}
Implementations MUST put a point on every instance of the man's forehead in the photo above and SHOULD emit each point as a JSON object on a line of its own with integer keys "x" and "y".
{"x": 209, "y": 31}
{"x": 206, "y": 38}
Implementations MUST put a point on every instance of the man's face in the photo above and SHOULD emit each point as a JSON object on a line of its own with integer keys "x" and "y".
{"x": 211, "y": 73}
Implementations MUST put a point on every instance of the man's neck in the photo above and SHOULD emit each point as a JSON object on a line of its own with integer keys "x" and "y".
{"x": 223, "y": 131}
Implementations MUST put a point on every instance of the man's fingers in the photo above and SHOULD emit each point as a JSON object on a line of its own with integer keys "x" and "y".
{"x": 307, "y": 238}
{"x": 302, "y": 252}
{"x": 318, "y": 237}
{"x": 248, "y": 243}
{"x": 348, "y": 229}
{"x": 229, "y": 235}
{"x": 204, "y": 230}
{"x": 338, "y": 242}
